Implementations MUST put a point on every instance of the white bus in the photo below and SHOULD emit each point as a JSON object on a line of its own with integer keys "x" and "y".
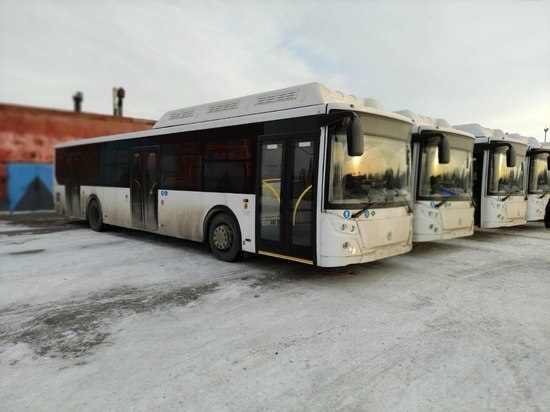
{"x": 498, "y": 184}
{"x": 302, "y": 173}
{"x": 537, "y": 176}
{"x": 441, "y": 179}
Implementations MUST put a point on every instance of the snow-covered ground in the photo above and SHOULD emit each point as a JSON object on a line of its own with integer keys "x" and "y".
{"x": 125, "y": 320}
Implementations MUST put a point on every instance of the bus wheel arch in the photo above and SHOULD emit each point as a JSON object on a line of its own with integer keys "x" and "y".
{"x": 94, "y": 214}
{"x": 223, "y": 234}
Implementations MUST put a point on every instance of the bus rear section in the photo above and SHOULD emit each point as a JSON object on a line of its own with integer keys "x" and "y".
{"x": 498, "y": 186}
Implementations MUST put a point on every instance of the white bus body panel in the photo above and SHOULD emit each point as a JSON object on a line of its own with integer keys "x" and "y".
{"x": 114, "y": 201}
{"x": 182, "y": 214}
{"x": 384, "y": 233}
{"x": 453, "y": 219}
{"x": 536, "y": 206}
{"x": 498, "y": 213}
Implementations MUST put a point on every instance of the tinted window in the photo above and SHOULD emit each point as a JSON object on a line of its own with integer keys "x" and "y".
{"x": 60, "y": 166}
{"x": 181, "y": 162}
{"x": 115, "y": 170}
{"x": 90, "y": 164}
{"x": 228, "y": 159}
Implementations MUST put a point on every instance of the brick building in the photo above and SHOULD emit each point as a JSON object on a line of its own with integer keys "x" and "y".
{"x": 27, "y": 137}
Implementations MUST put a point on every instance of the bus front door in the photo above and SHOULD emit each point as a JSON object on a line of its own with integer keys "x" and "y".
{"x": 72, "y": 184}
{"x": 287, "y": 197}
{"x": 144, "y": 188}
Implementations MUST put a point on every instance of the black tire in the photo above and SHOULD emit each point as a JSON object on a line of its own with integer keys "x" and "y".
{"x": 224, "y": 238}
{"x": 95, "y": 216}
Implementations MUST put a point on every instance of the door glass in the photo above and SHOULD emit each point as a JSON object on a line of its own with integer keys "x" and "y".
{"x": 72, "y": 184}
{"x": 271, "y": 168}
{"x": 302, "y": 193}
{"x": 136, "y": 190}
{"x": 151, "y": 192}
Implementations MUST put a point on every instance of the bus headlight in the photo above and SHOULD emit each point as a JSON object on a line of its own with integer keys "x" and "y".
{"x": 430, "y": 213}
{"x": 348, "y": 247}
{"x": 345, "y": 228}
{"x": 497, "y": 205}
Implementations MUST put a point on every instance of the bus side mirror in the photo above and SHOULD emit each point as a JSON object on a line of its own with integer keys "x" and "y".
{"x": 354, "y": 132}
{"x": 444, "y": 150}
{"x": 511, "y": 157}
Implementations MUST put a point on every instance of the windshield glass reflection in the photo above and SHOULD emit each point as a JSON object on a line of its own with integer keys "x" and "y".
{"x": 505, "y": 180}
{"x": 437, "y": 180}
{"x": 380, "y": 176}
{"x": 539, "y": 177}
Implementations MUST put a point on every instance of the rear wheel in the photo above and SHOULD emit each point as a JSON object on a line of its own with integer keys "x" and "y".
{"x": 224, "y": 238}
{"x": 95, "y": 217}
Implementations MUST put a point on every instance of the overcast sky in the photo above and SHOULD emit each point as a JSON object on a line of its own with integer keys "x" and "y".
{"x": 468, "y": 61}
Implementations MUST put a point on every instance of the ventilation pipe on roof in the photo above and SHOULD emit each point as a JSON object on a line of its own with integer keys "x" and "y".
{"x": 77, "y": 99}
{"x": 118, "y": 96}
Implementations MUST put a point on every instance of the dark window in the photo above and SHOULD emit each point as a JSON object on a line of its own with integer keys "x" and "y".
{"x": 115, "y": 170}
{"x": 60, "y": 166}
{"x": 228, "y": 159}
{"x": 122, "y": 168}
{"x": 181, "y": 162}
{"x": 214, "y": 160}
{"x": 90, "y": 164}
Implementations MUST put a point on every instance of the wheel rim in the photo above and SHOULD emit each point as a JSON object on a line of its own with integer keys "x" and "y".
{"x": 222, "y": 237}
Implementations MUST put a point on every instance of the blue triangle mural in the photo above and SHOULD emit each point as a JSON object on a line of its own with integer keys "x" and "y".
{"x": 30, "y": 186}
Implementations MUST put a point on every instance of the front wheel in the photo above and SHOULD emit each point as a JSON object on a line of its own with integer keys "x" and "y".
{"x": 224, "y": 238}
{"x": 95, "y": 217}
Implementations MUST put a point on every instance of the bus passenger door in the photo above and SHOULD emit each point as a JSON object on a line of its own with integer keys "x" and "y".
{"x": 72, "y": 184}
{"x": 144, "y": 188}
{"x": 287, "y": 197}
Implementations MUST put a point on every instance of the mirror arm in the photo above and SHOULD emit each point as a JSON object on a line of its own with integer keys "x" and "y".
{"x": 331, "y": 118}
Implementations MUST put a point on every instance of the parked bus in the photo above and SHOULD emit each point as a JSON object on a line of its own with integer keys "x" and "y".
{"x": 302, "y": 173}
{"x": 537, "y": 177}
{"x": 441, "y": 179}
{"x": 498, "y": 184}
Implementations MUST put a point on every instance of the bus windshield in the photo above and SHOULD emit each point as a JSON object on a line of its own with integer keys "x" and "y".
{"x": 504, "y": 180}
{"x": 539, "y": 177}
{"x": 380, "y": 177}
{"x": 437, "y": 180}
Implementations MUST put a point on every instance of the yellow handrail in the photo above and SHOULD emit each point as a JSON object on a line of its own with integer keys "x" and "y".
{"x": 307, "y": 189}
{"x": 265, "y": 182}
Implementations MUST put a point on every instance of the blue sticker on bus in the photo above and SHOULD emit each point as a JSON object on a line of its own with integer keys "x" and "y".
{"x": 432, "y": 204}
{"x": 347, "y": 214}
{"x": 367, "y": 214}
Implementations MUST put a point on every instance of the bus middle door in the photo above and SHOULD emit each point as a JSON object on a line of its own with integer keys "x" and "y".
{"x": 287, "y": 196}
{"x": 144, "y": 188}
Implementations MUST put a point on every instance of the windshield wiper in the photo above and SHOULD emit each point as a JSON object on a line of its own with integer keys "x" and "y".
{"x": 409, "y": 208}
{"x": 357, "y": 214}
{"x": 504, "y": 198}
{"x": 448, "y": 192}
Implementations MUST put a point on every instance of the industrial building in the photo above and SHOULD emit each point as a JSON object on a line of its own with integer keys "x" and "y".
{"x": 27, "y": 137}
